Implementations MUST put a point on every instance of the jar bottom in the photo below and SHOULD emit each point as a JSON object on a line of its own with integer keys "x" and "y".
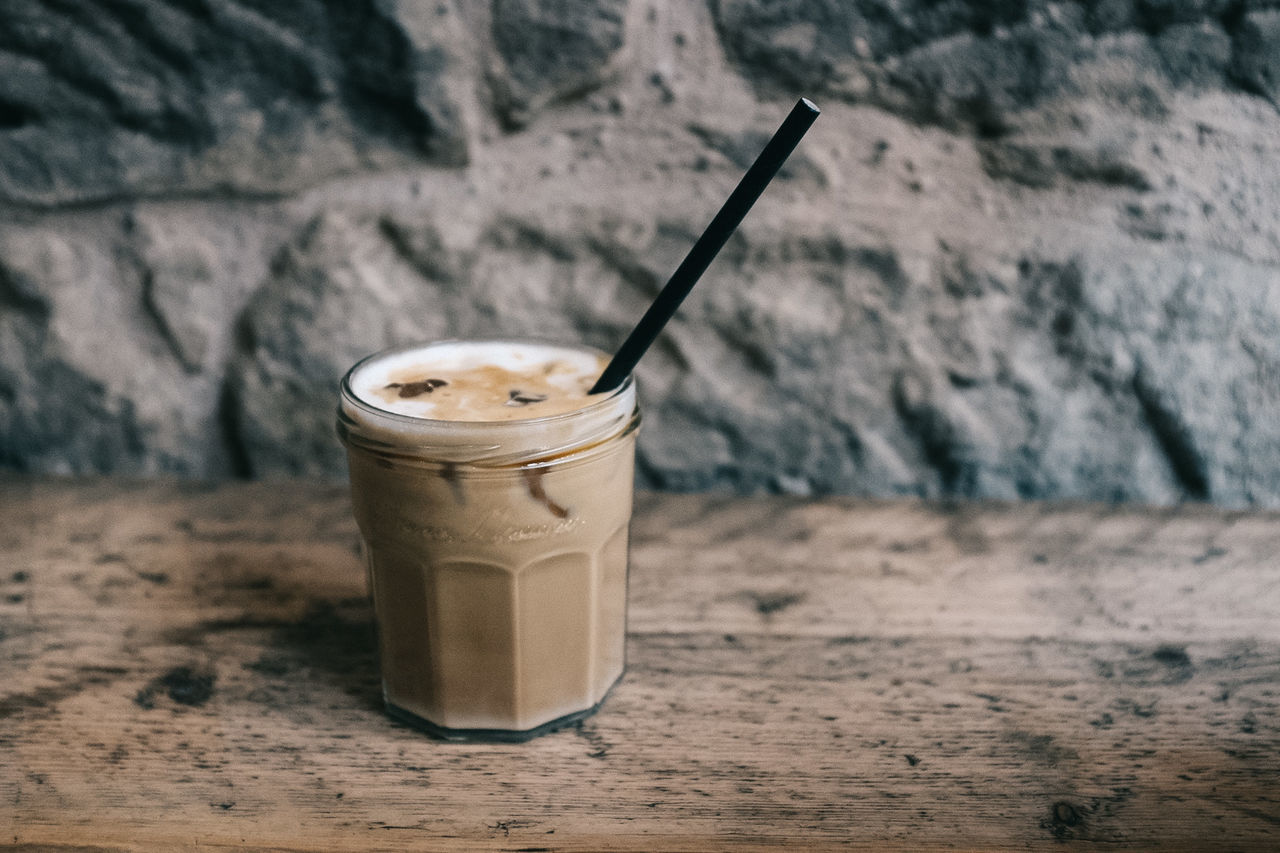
{"x": 494, "y": 735}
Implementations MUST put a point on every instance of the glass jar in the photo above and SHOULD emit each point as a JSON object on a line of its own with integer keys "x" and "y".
{"x": 497, "y": 560}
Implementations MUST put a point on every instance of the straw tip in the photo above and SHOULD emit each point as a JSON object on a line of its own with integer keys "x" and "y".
{"x": 810, "y": 106}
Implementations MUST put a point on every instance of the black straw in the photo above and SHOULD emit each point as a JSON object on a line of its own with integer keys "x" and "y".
{"x": 708, "y": 245}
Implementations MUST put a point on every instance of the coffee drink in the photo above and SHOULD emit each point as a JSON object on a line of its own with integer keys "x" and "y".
{"x": 493, "y": 497}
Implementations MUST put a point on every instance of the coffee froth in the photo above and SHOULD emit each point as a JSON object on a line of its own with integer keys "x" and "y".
{"x": 480, "y": 381}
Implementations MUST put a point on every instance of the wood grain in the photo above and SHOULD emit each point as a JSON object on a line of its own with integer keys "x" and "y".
{"x": 192, "y": 667}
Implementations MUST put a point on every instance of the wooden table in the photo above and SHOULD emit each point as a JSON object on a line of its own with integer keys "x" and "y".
{"x": 192, "y": 667}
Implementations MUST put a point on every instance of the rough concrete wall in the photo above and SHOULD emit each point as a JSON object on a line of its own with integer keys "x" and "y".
{"x": 1030, "y": 250}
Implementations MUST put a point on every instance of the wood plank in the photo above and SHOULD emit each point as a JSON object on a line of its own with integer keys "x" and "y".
{"x": 190, "y": 667}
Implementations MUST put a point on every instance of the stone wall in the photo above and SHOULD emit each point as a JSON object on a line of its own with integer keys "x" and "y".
{"x": 1030, "y": 250}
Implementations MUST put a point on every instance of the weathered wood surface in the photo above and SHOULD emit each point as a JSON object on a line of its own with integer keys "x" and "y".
{"x": 187, "y": 667}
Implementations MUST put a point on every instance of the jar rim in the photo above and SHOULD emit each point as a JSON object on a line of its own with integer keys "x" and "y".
{"x": 412, "y": 457}
{"x": 349, "y": 394}
{"x": 488, "y": 443}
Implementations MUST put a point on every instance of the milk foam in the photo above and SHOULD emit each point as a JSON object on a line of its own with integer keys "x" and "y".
{"x": 479, "y": 381}
{"x": 490, "y": 402}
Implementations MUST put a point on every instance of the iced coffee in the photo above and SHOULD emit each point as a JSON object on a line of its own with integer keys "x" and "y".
{"x": 493, "y": 497}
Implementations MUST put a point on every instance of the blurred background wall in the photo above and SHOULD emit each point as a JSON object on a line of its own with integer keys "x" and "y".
{"x": 1030, "y": 250}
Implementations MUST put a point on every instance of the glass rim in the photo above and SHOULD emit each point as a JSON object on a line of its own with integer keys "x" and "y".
{"x": 409, "y": 456}
{"x": 364, "y": 406}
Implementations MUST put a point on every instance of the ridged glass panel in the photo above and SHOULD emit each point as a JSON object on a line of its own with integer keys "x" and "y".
{"x": 556, "y": 627}
{"x": 473, "y": 644}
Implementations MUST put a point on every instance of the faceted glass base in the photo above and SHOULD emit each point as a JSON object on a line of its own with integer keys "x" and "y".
{"x": 494, "y": 735}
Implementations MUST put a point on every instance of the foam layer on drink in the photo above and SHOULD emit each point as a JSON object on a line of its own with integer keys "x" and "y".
{"x": 496, "y": 402}
{"x": 490, "y": 381}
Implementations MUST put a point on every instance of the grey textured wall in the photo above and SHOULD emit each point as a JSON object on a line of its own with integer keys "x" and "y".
{"x": 1031, "y": 249}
